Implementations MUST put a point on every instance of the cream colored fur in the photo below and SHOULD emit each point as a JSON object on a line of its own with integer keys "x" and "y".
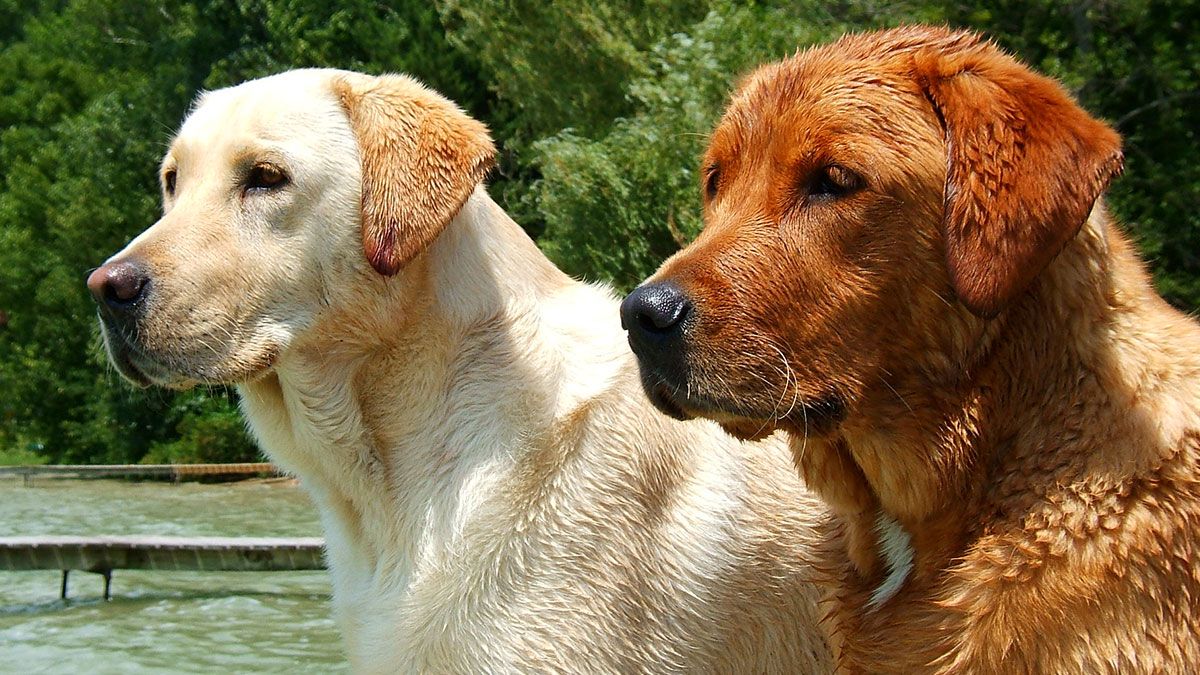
{"x": 496, "y": 492}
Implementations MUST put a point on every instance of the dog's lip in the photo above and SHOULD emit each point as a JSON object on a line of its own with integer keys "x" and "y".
{"x": 818, "y": 415}
{"x": 742, "y": 428}
{"x": 127, "y": 365}
{"x": 145, "y": 372}
{"x": 670, "y": 400}
{"x": 736, "y": 424}
{"x": 660, "y": 395}
{"x": 140, "y": 368}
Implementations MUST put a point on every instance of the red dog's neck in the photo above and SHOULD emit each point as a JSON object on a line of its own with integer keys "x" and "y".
{"x": 955, "y": 440}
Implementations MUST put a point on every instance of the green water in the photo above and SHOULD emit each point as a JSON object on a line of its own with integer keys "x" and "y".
{"x": 164, "y": 622}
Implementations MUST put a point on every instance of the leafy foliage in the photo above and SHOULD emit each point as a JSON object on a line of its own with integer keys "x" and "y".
{"x": 602, "y": 110}
{"x": 616, "y": 204}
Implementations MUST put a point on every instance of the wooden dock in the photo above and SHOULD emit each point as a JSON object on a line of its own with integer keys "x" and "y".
{"x": 172, "y": 471}
{"x": 102, "y": 555}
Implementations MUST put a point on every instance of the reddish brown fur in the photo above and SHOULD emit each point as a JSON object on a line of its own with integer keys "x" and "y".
{"x": 1013, "y": 392}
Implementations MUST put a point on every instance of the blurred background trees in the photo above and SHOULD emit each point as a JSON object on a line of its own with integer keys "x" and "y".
{"x": 601, "y": 109}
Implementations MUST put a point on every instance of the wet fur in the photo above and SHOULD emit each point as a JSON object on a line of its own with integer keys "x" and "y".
{"x": 1016, "y": 395}
{"x": 496, "y": 492}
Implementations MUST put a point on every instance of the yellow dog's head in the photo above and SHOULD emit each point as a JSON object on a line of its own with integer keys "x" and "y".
{"x": 284, "y": 200}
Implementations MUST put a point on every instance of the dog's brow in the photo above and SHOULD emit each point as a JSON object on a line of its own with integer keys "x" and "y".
{"x": 175, "y": 154}
{"x": 254, "y": 153}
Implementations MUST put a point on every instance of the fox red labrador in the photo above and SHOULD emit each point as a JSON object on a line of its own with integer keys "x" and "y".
{"x": 906, "y": 266}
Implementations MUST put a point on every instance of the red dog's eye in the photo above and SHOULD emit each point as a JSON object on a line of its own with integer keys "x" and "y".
{"x": 712, "y": 181}
{"x": 832, "y": 182}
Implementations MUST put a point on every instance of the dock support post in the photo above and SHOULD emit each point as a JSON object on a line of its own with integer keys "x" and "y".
{"x": 107, "y": 583}
{"x": 63, "y": 592}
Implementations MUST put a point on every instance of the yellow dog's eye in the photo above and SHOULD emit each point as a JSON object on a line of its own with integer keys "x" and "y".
{"x": 833, "y": 181}
{"x": 265, "y": 177}
{"x": 168, "y": 180}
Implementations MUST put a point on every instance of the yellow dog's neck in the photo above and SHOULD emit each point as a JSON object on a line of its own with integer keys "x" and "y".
{"x": 372, "y": 407}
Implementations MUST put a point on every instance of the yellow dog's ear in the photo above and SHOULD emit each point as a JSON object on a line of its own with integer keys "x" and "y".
{"x": 1025, "y": 167}
{"x": 421, "y": 158}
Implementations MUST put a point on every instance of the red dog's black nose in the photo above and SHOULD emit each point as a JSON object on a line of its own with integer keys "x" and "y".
{"x": 657, "y": 309}
{"x": 119, "y": 285}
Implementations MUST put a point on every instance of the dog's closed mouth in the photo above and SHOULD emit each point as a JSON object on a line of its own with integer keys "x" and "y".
{"x": 136, "y": 366}
{"x": 816, "y": 417}
{"x": 141, "y": 369}
{"x": 129, "y": 370}
{"x": 662, "y": 397}
{"x": 824, "y": 411}
{"x": 133, "y": 365}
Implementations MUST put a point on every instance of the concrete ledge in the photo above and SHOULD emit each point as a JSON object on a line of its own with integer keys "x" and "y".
{"x": 175, "y": 470}
{"x": 104, "y": 554}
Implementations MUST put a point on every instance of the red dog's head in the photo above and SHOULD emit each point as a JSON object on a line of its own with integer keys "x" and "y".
{"x": 868, "y": 206}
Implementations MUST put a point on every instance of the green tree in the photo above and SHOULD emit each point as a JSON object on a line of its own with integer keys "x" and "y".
{"x": 617, "y": 202}
{"x": 601, "y": 108}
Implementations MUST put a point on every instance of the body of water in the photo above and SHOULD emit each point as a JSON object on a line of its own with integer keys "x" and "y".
{"x": 164, "y": 622}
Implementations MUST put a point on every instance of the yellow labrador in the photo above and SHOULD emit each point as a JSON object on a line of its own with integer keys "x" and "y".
{"x": 497, "y": 493}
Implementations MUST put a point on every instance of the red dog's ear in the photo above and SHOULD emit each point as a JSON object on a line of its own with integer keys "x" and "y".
{"x": 421, "y": 159}
{"x": 1025, "y": 167}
